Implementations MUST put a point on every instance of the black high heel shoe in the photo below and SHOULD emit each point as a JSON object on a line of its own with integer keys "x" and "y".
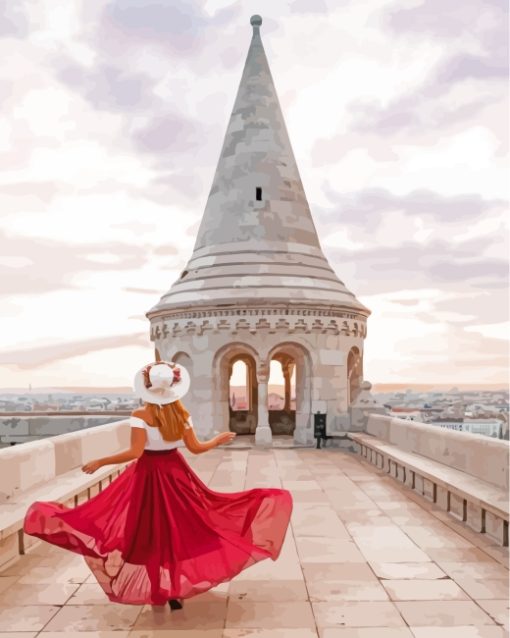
{"x": 175, "y": 603}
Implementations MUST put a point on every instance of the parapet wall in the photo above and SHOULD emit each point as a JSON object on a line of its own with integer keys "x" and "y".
{"x": 25, "y": 429}
{"x": 480, "y": 456}
{"x": 33, "y": 463}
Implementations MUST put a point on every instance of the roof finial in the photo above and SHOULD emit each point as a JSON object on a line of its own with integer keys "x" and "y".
{"x": 255, "y": 22}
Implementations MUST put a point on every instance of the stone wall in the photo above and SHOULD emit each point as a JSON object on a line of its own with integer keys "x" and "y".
{"x": 477, "y": 455}
{"x": 318, "y": 340}
{"x": 22, "y": 429}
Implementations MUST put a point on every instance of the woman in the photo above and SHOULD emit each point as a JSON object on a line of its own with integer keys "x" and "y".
{"x": 157, "y": 533}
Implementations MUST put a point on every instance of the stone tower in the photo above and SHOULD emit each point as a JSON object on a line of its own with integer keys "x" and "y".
{"x": 258, "y": 286}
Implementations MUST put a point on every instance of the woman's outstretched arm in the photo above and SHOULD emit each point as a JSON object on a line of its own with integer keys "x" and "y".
{"x": 198, "y": 447}
{"x": 138, "y": 439}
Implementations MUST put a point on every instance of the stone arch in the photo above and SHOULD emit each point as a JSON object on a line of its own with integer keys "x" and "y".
{"x": 184, "y": 359}
{"x": 354, "y": 373}
{"x": 241, "y": 422}
{"x": 299, "y": 354}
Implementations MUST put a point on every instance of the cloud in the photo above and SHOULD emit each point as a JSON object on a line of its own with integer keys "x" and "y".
{"x": 169, "y": 133}
{"x": 368, "y": 207}
{"x": 35, "y": 266}
{"x": 308, "y": 6}
{"x": 13, "y": 19}
{"x": 444, "y": 20}
{"x": 109, "y": 88}
{"x": 31, "y": 357}
{"x": 453, "y": 350}
{"x": 477, "y": 50}
{"x": 143, "y": 291}
{"x": 385, "y": 269}
{"x": 484, "y": 307}
{"x": 180, "y": 25}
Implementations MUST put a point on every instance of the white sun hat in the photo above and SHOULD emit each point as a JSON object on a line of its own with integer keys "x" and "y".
{"x": 161, "y": 382}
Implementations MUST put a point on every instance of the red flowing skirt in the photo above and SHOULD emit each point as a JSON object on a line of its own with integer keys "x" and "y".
{"x": 158, "y": 532}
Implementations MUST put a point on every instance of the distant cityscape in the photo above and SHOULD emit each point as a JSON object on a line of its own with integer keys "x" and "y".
{"x": 482, "y": 411}
{"x": 476, "y": 411}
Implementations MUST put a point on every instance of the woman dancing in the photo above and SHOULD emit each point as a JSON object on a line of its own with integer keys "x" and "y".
{"x": 157, "y": 533}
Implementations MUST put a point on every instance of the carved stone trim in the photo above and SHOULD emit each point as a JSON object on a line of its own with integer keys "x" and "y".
{"x": 253, "y": 324}
{"x": 258, "y": 312}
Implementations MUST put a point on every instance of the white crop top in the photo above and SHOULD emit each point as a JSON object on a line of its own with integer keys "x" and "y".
{"x": 154, "y": 439}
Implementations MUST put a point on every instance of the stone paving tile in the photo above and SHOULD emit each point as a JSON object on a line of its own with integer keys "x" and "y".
{"x": 267, "y": 591}
{"x": 26, "y": 618}
{"x": 392, "y": 554}
{"x": 459, "y": 631}
{"x": 310, "y": 519}
{"x": 82, "y": 634}
{"x": 380, "y": 536}
{"x": 196, "y": 616}
{"x": 19, "y": 634}
{"x": 463, "y": 554}
{"x": 301, "y": 485}
{"x": 75, "y": 573}
{"x": 484, "y": 588}
{"x": 88, "y": 594}
{"x": 312, "y": 549}
{"x": 6, "y": 582}
{"x": 363, "y": 516}
{"x": 269, "y": 615}
{"x": 365, "y": 632}
{"x": 332, "y": 590}
{"x": 479, "y": 570}
{"x": 45, "y": 594}
{"x": 93, "y": 618}
{"x": 424, "y": 590}
{"x": 175, "y": 633}
{"x": 360, "y": 572}
{"x": 357, "y": 614}
{"x": 399, "y": 571}
{"x": 435, "y": 536}
{"x": 498, "y": 610}
{"x": 443, "y": 613}
{"x": 287, "y": 632}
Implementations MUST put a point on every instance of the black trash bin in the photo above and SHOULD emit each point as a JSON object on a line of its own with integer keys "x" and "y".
{"x": 319, "y": 428}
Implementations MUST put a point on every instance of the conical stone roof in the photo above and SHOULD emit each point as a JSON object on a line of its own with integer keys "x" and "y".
{"x": 257, "y": 245}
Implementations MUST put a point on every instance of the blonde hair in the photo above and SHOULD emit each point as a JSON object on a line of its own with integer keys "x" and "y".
{"x": 169, "y": 418}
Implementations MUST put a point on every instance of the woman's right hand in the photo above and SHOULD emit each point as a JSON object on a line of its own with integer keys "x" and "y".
{"x": 226, "y": 437}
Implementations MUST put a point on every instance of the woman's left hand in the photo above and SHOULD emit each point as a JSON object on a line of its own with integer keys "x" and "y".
{"x": 91, "y": 466}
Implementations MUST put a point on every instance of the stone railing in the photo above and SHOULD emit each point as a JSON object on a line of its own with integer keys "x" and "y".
{"x": 465, "y": 474}
{"x": 50, "y": 470}
{"x": 22, "y": 428}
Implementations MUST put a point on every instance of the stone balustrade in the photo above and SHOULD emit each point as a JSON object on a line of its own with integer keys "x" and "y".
{"x": 465, "y": 474}
{"x": 50, "y": 470}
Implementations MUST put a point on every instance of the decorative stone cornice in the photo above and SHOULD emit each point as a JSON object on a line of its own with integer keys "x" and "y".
{"x": 263, "y": 311}
{"x": 287, "y": 324}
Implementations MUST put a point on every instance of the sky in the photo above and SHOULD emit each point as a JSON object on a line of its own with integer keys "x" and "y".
{"x": 113, "y": 116}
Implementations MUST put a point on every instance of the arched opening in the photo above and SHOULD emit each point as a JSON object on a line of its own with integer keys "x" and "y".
{"x": 234, "y": 373}
{"x": 354, "y": 373}
{"x": 293, "y": 363}
{"x": 242, "y": 379}
{"x": 282, "y": 394}
{"x": 239, "y": 389}
{"x": 185, "y": 360}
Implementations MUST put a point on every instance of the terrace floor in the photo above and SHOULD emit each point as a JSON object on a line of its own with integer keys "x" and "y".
{"x": 364, "y": 558}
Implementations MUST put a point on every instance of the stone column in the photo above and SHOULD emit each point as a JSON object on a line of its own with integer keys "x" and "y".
{"x": 286, "y": 371}
{"x": 263, "y": 434}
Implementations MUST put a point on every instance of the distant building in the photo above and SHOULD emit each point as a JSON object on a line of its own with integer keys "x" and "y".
{"x": 487, "y": 427}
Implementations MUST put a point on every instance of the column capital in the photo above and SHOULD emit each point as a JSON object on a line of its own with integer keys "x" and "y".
{"x": 262, "y": 372}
